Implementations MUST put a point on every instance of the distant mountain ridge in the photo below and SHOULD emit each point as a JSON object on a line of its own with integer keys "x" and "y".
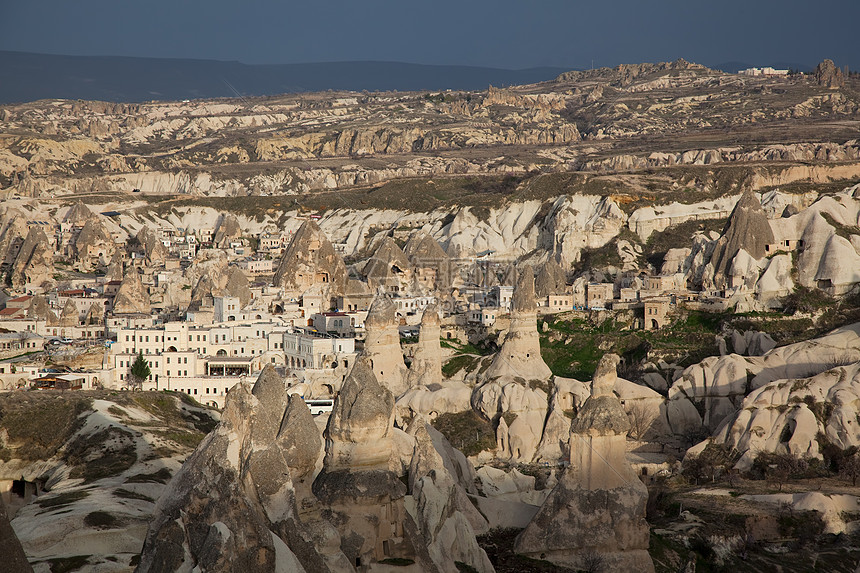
{"x": 30, "y": 76}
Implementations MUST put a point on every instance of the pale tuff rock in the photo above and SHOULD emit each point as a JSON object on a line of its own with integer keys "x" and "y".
{"x": 114, "y": 270}
{"x": 747, "y": 229}
{"x": 308, "y": 260}
{"x": 445, "y": 517}
{"x": 828, "y": 75}
{"x": 237, "y": 285}
{"x": 529, "y": 406}
{"x": 301, "y": 443}
{"x": 722, "y": 384}
{"x": 218, "y": 279}
{"x": 382, "y": 346}
{"x": 444, "y": 455}
{"x": 358, "y": 434}
{"x": 132, "y": 296}
{"x": 554, "y": 443}
{"x": 95, "y": 314}
{"x": 551, "y": 279}
{"x": 363, "y": 494}
{"x": 759, "y": 427}
{"x": 34, "y": 266}
{"x": 776, "y": 279}
{"x": 232, "y": 506}
{"x": 576, "y": 222}
{"x": 599, "y": 493}
{"x": 270, "y": 391}
{"x": 449, "y": 396}
{"x": 520, "y": 353}
{"x": 69, "y": 315}
{"x": 227, "y": 231}
{"x": 153, "y": 248}
{"x": 209, "y": 514}
{"x": 40, "y": 310}
{"x": 13, "y": 227}
{"x": 427, "y": 255}
{"x": 506, "y": 388}
{"x": 94, "y": 247}
{"x": 426, "y": 367}
{"x": 78, "y": 215}
{"x": 388, "y": 267}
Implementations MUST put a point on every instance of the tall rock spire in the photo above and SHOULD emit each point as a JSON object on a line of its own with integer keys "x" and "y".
{"x": 520, "y": 352}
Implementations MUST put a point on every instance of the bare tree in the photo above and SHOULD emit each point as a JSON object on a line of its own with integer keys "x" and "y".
{"x": 850, "y": 468}
{"x": 640, "y": 420}
{"x": 593, "y": 562}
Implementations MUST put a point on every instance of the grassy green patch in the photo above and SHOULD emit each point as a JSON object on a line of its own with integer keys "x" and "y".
{"x": 161, "y": 476}
{"x": 105, "y": 453}
{"x": 467, "y": 431}
{"x": 397, "y": 561}
{"x": 457, "y": 363}
{"x": 467, "y": 348}
{"x": 101, "y": 520}
{"x": 166, "y": 406}
{"x": 127, "y": 494}
{"x": 844, "y": 231}
{"x": 677, "y": 236}
{"x": 117, "y": 411}
{"x": 61, "y": 499}
{"x": 187, "y": 439}
{"x": 66, "y": 564}
{"x": 38, "y": 424}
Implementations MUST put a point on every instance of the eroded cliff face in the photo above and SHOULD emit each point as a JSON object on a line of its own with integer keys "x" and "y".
{"x": 590, "y": 121}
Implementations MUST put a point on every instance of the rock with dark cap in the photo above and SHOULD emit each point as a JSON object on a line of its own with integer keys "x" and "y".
{"x": 599, "y": 492}
{"x": 520, "y": 353}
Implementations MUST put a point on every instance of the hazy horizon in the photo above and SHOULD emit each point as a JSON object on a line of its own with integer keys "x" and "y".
{"x": 502, "y": 34}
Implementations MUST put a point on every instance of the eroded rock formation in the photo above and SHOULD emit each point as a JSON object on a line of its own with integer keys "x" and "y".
{"x": 599, "y": 493}
{"x": 132, "y": 296}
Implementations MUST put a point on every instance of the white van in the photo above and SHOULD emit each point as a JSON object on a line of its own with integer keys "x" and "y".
{"x": 320, "y": 405}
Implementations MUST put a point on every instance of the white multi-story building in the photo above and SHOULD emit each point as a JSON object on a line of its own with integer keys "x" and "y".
{"x": 305, "y": 348}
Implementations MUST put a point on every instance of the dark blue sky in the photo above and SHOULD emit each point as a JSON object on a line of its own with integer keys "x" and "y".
{"x": 498, "y": 33}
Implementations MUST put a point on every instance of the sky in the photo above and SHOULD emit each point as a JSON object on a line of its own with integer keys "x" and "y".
{"x": 511, "y": 34}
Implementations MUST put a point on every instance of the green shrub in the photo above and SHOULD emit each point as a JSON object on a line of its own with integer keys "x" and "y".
{"x": 467, "y": 431}
{"x": 101, "y": 520}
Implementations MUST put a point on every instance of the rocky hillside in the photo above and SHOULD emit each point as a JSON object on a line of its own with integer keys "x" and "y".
{"x": 86, "y": 470}
{"x": 630, "y": 117}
